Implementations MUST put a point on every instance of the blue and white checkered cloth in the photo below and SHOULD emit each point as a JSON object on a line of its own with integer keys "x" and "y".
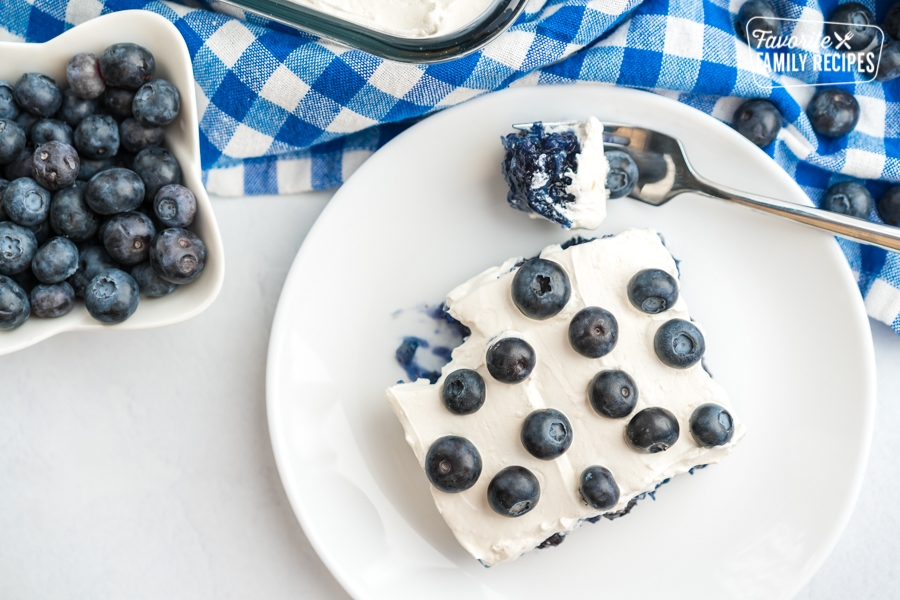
{"x": 283, "y": 111}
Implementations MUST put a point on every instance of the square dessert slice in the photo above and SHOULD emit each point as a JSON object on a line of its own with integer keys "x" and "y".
{"x": 579, "y": 388}
{"x": 558, "y": 173}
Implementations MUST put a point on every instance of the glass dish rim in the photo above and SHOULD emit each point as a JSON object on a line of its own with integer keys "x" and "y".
{"x": 496, "y": 20}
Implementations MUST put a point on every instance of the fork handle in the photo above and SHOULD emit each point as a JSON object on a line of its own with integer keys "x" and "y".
{"x": 851, "y": 228}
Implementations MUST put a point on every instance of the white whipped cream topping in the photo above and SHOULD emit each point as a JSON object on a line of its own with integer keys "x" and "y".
{"x": 599, "y": 273}
{"x": 589, "y": 178}
{"x": 405, "y": 18}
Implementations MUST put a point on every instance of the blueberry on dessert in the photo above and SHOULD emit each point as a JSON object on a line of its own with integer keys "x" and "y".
{"x": 622, "y": 175}
{"x": 463, "y": 392}
{"x": 546, "y": 434}
{"x": 848, "y": 198}
{"x": 540, "y": 288}
{"x": 453, "y": 464}
{"x": 652, "y": 430}
{"x": 833, "y": 112}
{"x": 679, "y": 344}
{"x": 853, "y": 23}
{"x": 711, "y": 425}
{"x": 613, "y": 393}
{"x": 593, "y": 332}
{"x": 513, "y": 492}
{"x": 510, "y": 360}
{"x": 558, "y": 173}
{"x": 652, "y": 291}
{"x": 599, "y": 488}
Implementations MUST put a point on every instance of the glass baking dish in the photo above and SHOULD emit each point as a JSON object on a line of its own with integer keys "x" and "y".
{"x": 496, "y": 19}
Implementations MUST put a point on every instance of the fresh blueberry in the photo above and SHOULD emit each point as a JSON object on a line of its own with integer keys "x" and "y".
{"x": 623, "y": 173}
{"x": 599, "y": 488}
{"x": 83, "y": 74}
{"x": 112, "y": 296}
{"x": 759, "y": 19}
{"x": 71, "y": 216}
{"x": 48, "y": 130}
{"x": 14, "y": 305}
{"x": 652, "y": 430}
{"x": 135, "y": 136}
{"x": 889, "y": 65}
{"x": 652, "y": 291}
{"x": 711, "y": 425}
{"x": 97, "y": 136}
{"x": 55, "y": 165}
{"x": 118, "y": 102}
{"x": 90, "y": 167}
{"x": 54, "y": 300}
{"x": 21, "y": 165}
{"x": 513, "y": 492}
{"x": 127, "y": 237}
{"x": 127, "y": 66}
{"x": 17, "y": 248}
{"x": 540, "y": 288}
{"x": 12, "y": 141}
{"x": 453, "y": 464}
{"x": 892, "y": 21}
{"x": 92, "y": 260}
{"x": 113, "y": 191}
{"x": 150, "y": 283}
{"x": 157, "y": 168}
{"x": 758, "y": 120}
{"x": 26, "y": 121}
{"x": 851, "y": 22}
{"x": 833, "y": 112}
{"x": 679, "y": 344}
{"x": 156, "y": 104}
{"x": 25, "y": 202}
{"x": 38, "y": 94}
{"x": 4, "y": 183}
{"x": 463, "y": 392}
{"x": 175, "y": 206}
{"x": 42, "y": 231}
{"x": 9, "y": 109}
{"x": 75, "y": 109}
{"x": 546, "y": 433}
{"x": 593, "y": 332}
{"x": 848, "y": 198}
{"x": 613, "y": 393}
{"x": 509, "y": 360}
{"x": 55, "y": 261}
{"x": 889, "y": 206}
{"x": 536, "y": 167}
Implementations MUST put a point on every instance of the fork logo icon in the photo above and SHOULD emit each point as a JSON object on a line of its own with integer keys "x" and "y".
{"x": 842, "y": 42}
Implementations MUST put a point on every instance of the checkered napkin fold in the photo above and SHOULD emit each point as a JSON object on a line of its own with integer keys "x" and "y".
{"x": 283, "y": 111}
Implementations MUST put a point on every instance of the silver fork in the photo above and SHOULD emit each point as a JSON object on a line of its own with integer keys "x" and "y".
{"x": 666, "y": 172}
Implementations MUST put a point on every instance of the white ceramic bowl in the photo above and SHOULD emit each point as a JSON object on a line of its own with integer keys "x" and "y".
{"x": 182, "y": 139}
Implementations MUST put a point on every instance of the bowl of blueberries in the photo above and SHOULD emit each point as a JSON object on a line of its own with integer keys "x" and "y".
{"x": 104, "y": 221}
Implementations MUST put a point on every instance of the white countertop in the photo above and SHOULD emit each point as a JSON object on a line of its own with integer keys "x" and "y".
{"x": 138, "y": 464}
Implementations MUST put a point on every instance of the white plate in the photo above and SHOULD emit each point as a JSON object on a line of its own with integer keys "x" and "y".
{"x": 173, "y": 62}
{"x": 787, "y": 336}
